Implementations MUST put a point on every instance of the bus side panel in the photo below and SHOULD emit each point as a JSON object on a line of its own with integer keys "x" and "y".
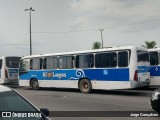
{"x": 155, "y": 75}
{"x": 133, "y": 68}
{"x": 24, "y": 79}
{"x": 23, "y": 82}
{"x": 69, "y": 78}
{"x": 120, "y": 79}
{"x": 115, "y": 78}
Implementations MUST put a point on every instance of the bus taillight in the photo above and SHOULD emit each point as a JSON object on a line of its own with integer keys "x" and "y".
{"x": 136, "y": 76}
{"x": 6, "y": 73}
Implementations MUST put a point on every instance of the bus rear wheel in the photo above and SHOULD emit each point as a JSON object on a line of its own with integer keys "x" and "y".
{"x": 85, "y": 86}
{"x": 35, "y": 84}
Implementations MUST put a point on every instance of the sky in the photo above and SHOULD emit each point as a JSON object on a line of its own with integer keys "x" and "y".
{"x": 71, "y": 25}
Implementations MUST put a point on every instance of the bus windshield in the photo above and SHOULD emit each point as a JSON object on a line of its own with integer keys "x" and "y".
{"x": 142, "y": 56}
{"x": 12, "y": 62}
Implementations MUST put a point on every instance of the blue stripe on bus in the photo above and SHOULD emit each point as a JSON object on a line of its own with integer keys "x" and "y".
{"x": 143, "y": 69}
{"x": 118, "y": 74}
{"x": 155, "y": 71}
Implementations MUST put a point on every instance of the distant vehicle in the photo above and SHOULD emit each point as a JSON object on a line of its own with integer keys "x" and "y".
{"x": 108, "y": 68}
{"x": 155, "y": 100}
{"x": 155, "y": 66}
{"x": 9, "y": 69}
{"x": 11, "y": 101}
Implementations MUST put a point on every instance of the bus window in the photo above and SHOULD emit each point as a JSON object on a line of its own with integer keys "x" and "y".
{"x": 70, "y": 62}
{"x": 62, "y": 62}
{"x": 12, "y": 62}
{"x": 24, "y": 65}
{"x": 100, "y": 60}
{"x": 36, "y": 64}
{"x": 0, "y": 63}
{"x": 65, "y": 62}
{"x": 106, "y": 60}
{"x": 85, "y": 61}
{"x": 142, "y": 56}
{"x": 153, "y": 58}
{"x": 50, "y": 63}
{"x": 123, "y": 59}
{"x": 55, "y": 63}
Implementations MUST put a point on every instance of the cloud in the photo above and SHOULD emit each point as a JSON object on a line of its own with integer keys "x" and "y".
{"x": 107, "y": 13}
{"x": 83, "y": 6}
{"x": 115, "y": 12}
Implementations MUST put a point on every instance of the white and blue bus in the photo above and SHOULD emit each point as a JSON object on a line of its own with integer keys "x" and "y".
{"x": 108, "y": 68}
{"x": 9, "y": 69}
{"x": 155, "y": 66}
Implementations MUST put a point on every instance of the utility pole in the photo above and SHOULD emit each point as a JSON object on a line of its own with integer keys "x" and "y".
{"x": 30, "y": 10}
{"x": 101, "y": 36}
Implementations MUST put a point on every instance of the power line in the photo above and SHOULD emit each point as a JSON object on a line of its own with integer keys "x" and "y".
{"x": 116, "y": 26}
{"x": 68, "y": 31}
{"x": 94, "y": 29}
{"x": 140, "y": 22}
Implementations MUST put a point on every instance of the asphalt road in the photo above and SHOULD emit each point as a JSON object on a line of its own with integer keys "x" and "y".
{"x": 73, "y": 100}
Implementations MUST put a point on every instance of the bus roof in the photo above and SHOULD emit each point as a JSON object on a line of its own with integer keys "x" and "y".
{"x": 154, "y": 49}
{"x": 87, "y": 51}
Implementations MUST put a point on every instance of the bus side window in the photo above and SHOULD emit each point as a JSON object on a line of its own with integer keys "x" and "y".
{"x": 61, "y": 63}
{"x": 85, "y": 61}
{"x": 44, "y": 63}
{"x": 123, "y": 59}
{"x": 73, "y": 61}
{"x": 153, "y": 58}
{"x": 77, "y": 61}
{"x": 50, "y": 63}
{"x": 66, "y": 62}
{"x": 111, "y": 59}
{"x": 41, "y": 63}
{"x": 55, "y": 62}
{"x": 36, "y": 64}
{"x": 70, "y": 62}
{"x": 0, "y": 63}
{"x": 91, "y": 60}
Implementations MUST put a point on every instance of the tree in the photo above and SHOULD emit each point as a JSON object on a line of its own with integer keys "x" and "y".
{"x": 150, "y": 44}
{"x": 96, "y": 45}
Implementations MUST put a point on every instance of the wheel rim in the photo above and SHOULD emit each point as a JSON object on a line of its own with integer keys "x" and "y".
{"x": 85, "y": 86}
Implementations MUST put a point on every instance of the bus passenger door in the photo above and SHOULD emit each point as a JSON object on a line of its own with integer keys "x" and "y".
{"x": 24, "y": 72}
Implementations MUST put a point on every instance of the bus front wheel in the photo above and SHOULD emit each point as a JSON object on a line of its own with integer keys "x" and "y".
{"x": 35, "y": 84}
{"x": 85, "y": 86}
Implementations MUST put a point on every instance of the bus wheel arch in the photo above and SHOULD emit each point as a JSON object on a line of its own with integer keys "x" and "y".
{"x": 85, "y": 85}
{"x": 34, "y": 83}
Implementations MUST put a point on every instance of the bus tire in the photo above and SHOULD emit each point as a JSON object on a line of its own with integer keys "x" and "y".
{"x": 35, "y": 84}
{"x": 85, "y": 86}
